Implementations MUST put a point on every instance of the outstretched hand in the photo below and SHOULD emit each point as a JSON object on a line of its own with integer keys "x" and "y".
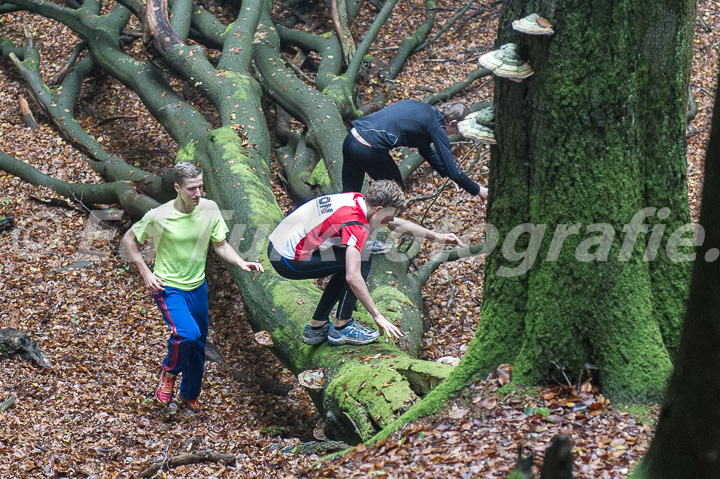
{"x": 248, "y": 266}
{"x": 450, "y": 238}
{"x": 388, "y": 328}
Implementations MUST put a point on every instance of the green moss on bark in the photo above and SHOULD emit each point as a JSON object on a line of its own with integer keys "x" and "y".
{"x": 186, "y": 153}
{"x": 319, "y": 176}
{"x": 577, "y": 145}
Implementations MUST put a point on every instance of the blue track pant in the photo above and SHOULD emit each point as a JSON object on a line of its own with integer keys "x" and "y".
{"x": 186, "y": 314}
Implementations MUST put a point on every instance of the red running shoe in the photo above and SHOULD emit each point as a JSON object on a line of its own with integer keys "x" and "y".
{"x": 165, "y": 388}
{"x": 191, "y": 404}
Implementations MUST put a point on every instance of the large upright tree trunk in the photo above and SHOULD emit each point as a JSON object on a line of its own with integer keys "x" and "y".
{"x": 593, "y": 138}
{"x": 687, "y": 440}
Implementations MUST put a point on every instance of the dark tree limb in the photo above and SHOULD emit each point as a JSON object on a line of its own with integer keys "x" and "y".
{"x": 285, "y": 135}
{"x": 457, "y": 88}
{"x": 28, "y": 117}
{"x": 410, "y": 43}
{"x": 338, "y": 11}
{"x": 381, "y": 92}
{"x": 201, "y": 456}
{"x": 184, "y": 459}
{"x": 14, "y": 341}
{"x": 322, "y": 447}
{"x": 155, "y": 17}
{"x": 319, "y": 112}
{"x": 238, "y": 45}
{"x": 328, "y": 48}
{"x": 272, "y": 387}
{"x": 298, "y": 70}
{"x": 389, "y": 72}
{"x": 103, "y": 33}
{"x": 60, "y": 109}
{"x": 7, "y": 404}
{"x": 426, "y": 270}
{"x": 181, "y": 18}
{"x": 353, "y": 9}
{"x": 296, "y": 159}
{"x": 60, "y": 75}
{"x": 372, "y": 33}
{"x": 68, "y": 16}
{"x": 120, "y": 192}
{"x": 230, "y": 88}
{"x": 9, "y": 8}
{"x": 110, "y": 119}
{"x": 206, "y": 29}
{"x": 445, "y": 27}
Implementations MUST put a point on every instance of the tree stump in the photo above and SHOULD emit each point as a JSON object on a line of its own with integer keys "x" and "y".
{"x": 14, "y": 341}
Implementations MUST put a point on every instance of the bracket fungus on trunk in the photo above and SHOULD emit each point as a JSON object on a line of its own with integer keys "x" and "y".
{"x": 313, "y": 378}
{"x": 263, "y": 338}
{"x": 533, "y": 24}
{"x": 506, "y": 63}
{"x": 479, "y": 126}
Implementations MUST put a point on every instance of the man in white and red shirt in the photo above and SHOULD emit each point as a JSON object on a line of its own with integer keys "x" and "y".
{"x": 324, "y": 237}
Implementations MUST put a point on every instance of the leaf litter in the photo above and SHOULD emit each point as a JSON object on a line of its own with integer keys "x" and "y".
{"x": 93, "y": 415}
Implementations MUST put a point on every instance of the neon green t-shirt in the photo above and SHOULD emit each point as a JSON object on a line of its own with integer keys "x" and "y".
{"x": 181, "y": 241}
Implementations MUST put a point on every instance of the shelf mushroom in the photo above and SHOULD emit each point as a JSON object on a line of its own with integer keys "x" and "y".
{"x": 506, "y": 63}
{"x": 264, "y": 338}
{"x": 533, "y": 24}
{"x": 479, "y": 126}
{"x": 449, "y": 360}
{"x": 312, "y": 378}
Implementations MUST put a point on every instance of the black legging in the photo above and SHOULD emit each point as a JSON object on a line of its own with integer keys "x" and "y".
{"x": 359, "y": 159}
{"x": 319, "y": 265}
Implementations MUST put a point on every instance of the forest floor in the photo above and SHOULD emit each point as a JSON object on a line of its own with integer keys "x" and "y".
{"x": 92, "y": 415}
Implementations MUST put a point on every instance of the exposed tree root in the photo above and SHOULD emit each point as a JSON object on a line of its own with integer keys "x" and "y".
{"x": 184, "y": 459}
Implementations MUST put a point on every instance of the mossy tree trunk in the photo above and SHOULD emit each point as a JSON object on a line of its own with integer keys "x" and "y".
{"x": 687, "y": 439}
{"x": 595, "y": 136}
{"x": 366, "y": 388}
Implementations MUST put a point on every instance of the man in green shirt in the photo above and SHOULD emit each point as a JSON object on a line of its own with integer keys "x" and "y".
{"x": 182, "y": 230}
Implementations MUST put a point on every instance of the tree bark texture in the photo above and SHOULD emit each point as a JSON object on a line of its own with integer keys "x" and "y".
{"x": 593, "y": 137}
{"x": 687, "y": 439}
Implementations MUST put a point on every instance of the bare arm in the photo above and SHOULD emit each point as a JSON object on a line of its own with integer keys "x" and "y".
{"x": 408, "y": 227}
{"x": 354, "y": 278}
{"x": 152, "y": 282}
{"x": 226, "y": 252}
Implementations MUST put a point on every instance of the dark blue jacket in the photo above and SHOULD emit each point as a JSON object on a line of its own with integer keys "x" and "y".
{"x": 415, "y": 124}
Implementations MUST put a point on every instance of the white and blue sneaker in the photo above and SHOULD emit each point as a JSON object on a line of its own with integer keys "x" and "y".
{"x": 315, "y": 336}
{"x": 378, "y": 247}
{"x": 352, "y": 333}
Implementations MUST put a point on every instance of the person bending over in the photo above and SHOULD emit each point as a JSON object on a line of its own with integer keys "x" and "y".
{"x": 408, "y": 123}
{"x": 325, "y": 237}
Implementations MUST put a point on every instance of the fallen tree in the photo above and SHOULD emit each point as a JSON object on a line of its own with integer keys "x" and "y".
{"x": 365, "y": 388}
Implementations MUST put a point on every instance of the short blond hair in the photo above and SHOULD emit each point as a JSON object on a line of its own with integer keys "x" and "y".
{"x": 184, "y": 170}
{"x": 385, "y": 193}
{"x": 453, "y": 111}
